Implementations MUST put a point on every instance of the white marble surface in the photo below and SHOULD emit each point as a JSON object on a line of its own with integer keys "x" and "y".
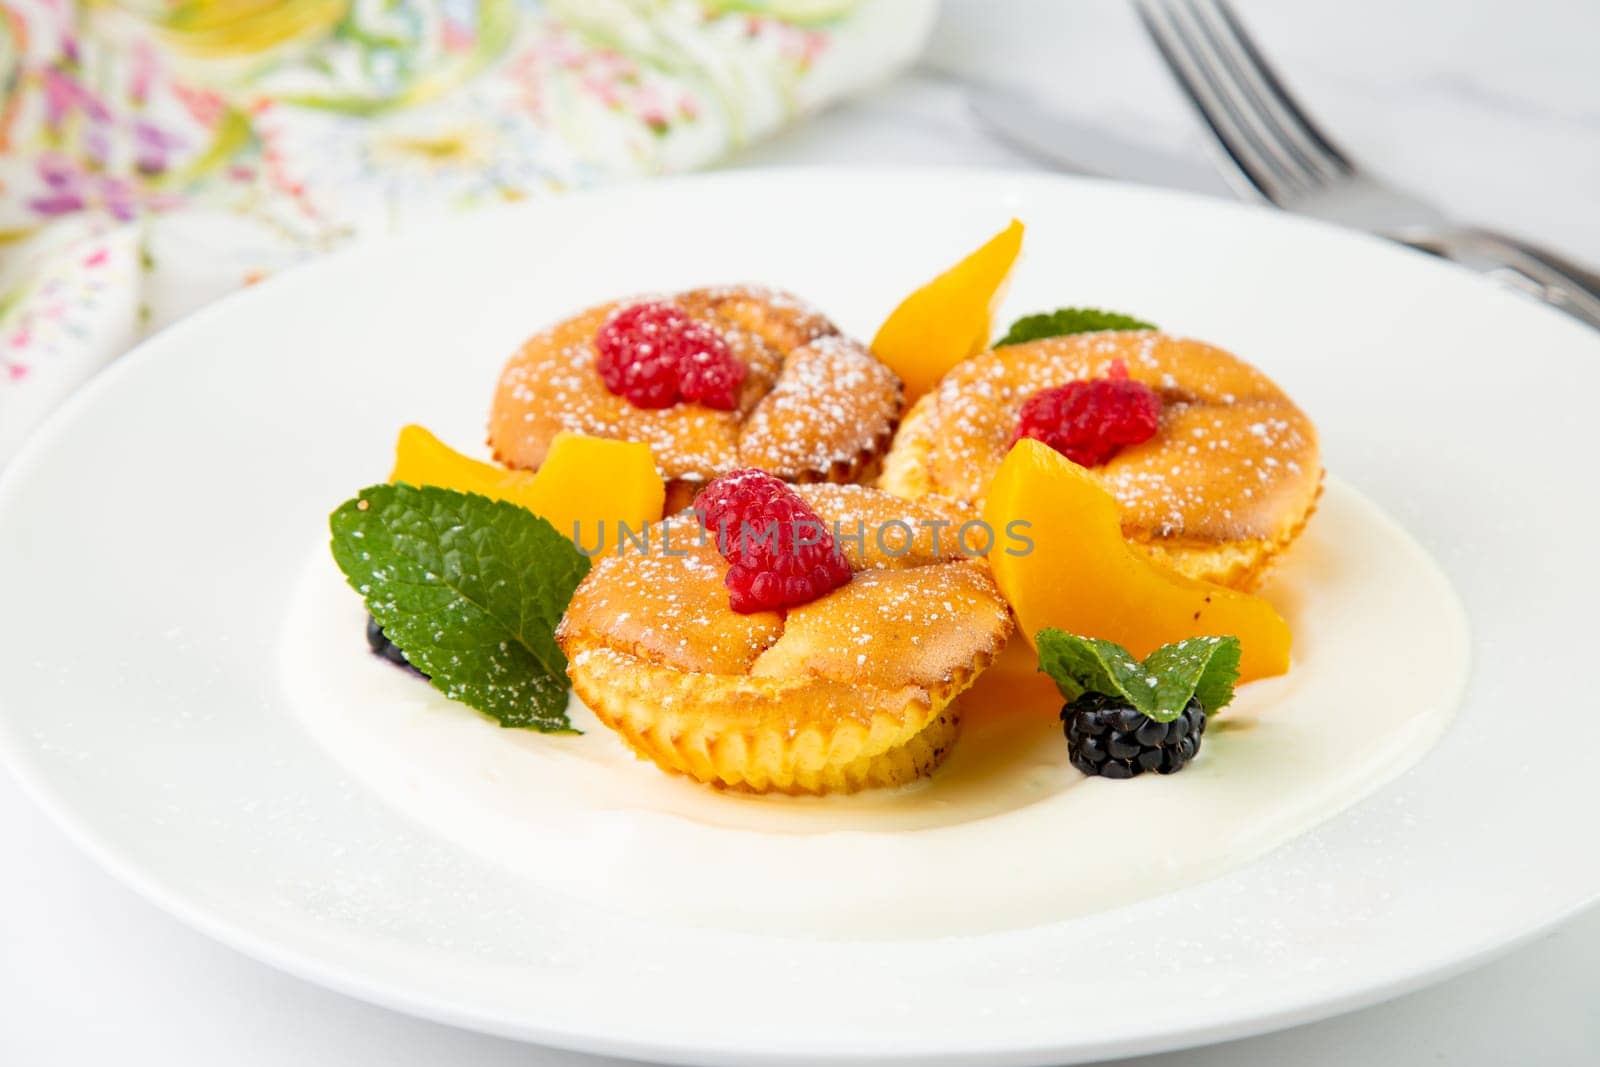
{"x": 1492, "y": 108}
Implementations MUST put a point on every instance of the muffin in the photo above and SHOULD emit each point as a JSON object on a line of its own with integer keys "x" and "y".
{"x": 1215, "y": 468}
{"x": 713, "y": 380}
{"x": 852, "y": 687}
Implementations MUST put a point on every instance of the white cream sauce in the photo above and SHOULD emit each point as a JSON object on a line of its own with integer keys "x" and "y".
{"x": 1006, "y": 834}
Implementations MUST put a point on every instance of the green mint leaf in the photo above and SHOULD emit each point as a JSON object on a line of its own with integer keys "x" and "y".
{"x": 1201, "y": 667}
{"x": 1205, "y": 668}
{"x": 1081, "y": 665}
{"x": 1066, "y": 321}
{"x": 471, "y": 589}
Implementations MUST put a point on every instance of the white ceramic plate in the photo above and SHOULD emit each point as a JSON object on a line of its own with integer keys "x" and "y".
{"x": 151, "y": 534}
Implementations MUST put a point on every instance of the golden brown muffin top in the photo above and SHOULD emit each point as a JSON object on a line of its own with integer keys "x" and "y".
{"x": 1234, "y": 458}
{"x": 910, "y": 615}
{"x": 815, "y": 404}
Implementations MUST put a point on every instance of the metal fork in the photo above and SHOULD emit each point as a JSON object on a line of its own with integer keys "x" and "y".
{"x": 1272, "y": 148}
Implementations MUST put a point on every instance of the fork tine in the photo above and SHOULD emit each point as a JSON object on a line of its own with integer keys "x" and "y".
{"x": 1280, "y": 93}
{"x": 1308, "y": 166}
{"x": 1194, "y": 71}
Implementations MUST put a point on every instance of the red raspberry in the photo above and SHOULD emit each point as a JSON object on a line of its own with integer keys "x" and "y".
{"x": 709, "y": 379}
{"x": 780, "y": 552}
{"x": 655, "y": 355}
{"x": 1091, "y": 421}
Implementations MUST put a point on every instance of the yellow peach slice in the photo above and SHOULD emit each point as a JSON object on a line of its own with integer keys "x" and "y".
{"x": 586, "y": 481}
{"x": 583, "y": 482}
{"x": 1081, "y": 576}
{"x": 420, "y": 458}
{"x": 948, "y": 319}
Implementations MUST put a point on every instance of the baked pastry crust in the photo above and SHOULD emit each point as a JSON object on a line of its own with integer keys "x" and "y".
{"x": 851, "y": 690}
{"x": 1227, "y": 483}
{"x": 815, "y": 406}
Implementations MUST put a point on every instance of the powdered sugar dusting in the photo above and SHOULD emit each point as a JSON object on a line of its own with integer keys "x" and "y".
{"x": 831, "y": 405}
{"x": 1232, "y": 458}
{"x": 920, "y": 615}
{"x": 551, "y": 384}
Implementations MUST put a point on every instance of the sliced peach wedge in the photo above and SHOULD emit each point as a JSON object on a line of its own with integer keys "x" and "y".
{"x": 950, "y": 318}
{"x": 1081, "y": 576}
{"x": 585, "y": 485}
{"x": 420, "y": 459}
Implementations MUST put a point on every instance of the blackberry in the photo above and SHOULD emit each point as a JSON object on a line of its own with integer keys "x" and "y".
{"x": 1108, "y": 737}
{"x": 382, "y": 646}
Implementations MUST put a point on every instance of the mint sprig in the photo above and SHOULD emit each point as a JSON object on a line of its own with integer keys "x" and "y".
{"x": 1205, "y": 668}
{"x": 1064, "y": 321}
{"x": 471, "y": 590}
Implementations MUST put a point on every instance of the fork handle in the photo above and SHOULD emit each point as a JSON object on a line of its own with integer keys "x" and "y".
{"x": 1547, "y": 275}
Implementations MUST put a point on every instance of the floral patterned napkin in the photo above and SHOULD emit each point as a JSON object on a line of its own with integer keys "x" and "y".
{"x": 155, "y": 154}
